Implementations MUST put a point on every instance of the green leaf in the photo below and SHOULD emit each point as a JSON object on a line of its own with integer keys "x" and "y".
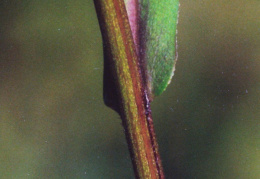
{"x": 158, "y": 47}
{"x": 153, "y": 25}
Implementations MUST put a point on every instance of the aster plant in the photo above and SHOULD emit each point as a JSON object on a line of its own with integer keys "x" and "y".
{"x": 139, "y": 39}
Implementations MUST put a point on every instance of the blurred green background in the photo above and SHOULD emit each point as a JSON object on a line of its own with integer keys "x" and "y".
{"x": 54, "y": 124}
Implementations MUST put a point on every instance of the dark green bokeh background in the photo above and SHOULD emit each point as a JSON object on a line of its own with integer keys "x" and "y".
{"x": 54, "y": 124}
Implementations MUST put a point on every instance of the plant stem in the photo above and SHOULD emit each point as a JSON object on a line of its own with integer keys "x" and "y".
{"x": 134, "y": 102}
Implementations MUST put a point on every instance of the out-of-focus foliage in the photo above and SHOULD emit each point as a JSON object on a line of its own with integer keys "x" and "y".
{"x": 53, "y": 123}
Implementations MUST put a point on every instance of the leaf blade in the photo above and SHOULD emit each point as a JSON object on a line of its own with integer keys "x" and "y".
{"x": 158, "y": 42}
